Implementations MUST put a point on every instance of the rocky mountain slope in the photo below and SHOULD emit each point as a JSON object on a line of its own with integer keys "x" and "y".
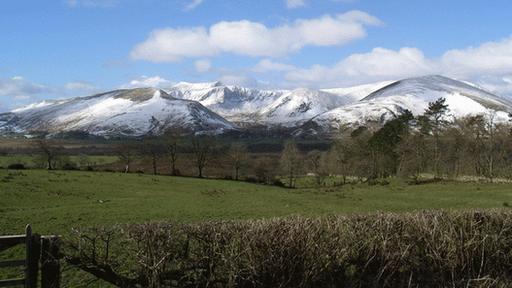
{"x": 414, "y": 94}
{"x": 216, "y": 108}
{"x": 130, "y": 112}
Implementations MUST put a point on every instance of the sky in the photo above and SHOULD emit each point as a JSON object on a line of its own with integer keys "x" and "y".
{"x": 64, "y": 48}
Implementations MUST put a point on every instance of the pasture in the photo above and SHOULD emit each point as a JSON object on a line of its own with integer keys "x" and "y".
{"x": 55, "y": 201}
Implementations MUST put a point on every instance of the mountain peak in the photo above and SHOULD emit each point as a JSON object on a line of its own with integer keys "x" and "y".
{"x": 433, "y": 83}
{"x": 198, "y": 86}
{"x": 211, "y": 105}
{"x": 140, "y": 94}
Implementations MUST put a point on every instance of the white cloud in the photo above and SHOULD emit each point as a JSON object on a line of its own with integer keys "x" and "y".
{"x": 267, "y": 65}
{"x": 291, "y": 4}
{"x": 22, "y": 97}
{"x": 170, "y": 45}
{"x": 92, "y": 3}
{"x": 379, "y": 64}
{"x": 17, "y": 86}
{"x": 145, "y": 81}
{"x": 193, "y": 5}
{"x": 80, "y": 86}
{"x": 74, "y": 89}
{"x": 203, "y": 65}
{"x": 252, "y": 38}
{"x": 239, "y": 79}
{"x": 489, "y": 65}
{"x": 16, "y": 91}
{"x": 488, "y": 58}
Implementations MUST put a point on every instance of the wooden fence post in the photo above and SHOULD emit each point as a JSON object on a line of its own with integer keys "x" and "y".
{"x": 36, "y": 247}
{"x": 50, "y": 266}
{"x": 33, "y": 252}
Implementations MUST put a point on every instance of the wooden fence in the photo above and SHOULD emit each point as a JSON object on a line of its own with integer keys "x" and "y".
{"x": 40, "y": 251}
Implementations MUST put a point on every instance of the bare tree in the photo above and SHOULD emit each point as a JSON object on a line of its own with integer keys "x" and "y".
{"x": 237, "y": 155}
{"x": 173, "y": 137}
{"x": 49, "y": 152}
{"x": 265, "y": 170}
{"x": 490, "y": 129}
{"x": 172, "y": 149}
{"x": 317, "y": 163}
{"x": 338, "y": 158}
{"x": 434, "y": 122}
{"x": 154, "y": 150}
{"x": 474, "y": 132}
{"x": 291, "y": 162}
{"x": 203, "y": 148}
{"x": 412, "y": 155}
{"x": 126, "y": 154}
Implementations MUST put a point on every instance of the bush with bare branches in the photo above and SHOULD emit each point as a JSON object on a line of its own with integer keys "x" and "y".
{"x": 424, "y": 249}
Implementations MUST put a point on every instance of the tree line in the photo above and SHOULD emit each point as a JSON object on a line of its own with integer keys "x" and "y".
{"x": 434, "y": 144}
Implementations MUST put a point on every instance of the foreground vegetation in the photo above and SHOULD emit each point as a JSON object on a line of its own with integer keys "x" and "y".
{"x": 56, "y": 201}
{"x": 426, "y": 249}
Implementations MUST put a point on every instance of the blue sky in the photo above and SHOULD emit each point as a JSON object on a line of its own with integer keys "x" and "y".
{"x": 64, "y": 48}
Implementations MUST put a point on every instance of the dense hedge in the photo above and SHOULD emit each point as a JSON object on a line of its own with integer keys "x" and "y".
{"x": 424, "y": 249}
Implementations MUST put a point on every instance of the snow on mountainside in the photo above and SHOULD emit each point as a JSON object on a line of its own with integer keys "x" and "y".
{"x": 357, "y": 114}
{"x": 417, "y": 92}
{"x": 414, "y": 94}
{"x": 283, "y": 107}
{"x": 299, "y": 105}
{"x": 129, "y": 112}
{"x": 232, "y": 102}
{"x": 214, "y": 107}
{"x": 356, "y": 93}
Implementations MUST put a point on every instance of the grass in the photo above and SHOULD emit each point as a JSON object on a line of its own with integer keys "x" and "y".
{"x": 55, "y": 201}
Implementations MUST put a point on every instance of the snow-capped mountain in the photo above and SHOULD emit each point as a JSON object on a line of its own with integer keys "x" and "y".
{"x": 237, "y": 104}
{"x": 214, "y": 107}
{"x": 356, "y": 93}
{"x": 128, "y": 112}
{"x": 298, "y": 105}
{"x": 283, "y": 107}
{"x": 414, "y": 94}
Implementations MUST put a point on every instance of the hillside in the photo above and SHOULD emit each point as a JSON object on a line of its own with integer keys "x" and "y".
{"x": 131, "y": 112}
{"x": 414, "y": 94}
{"x": 216, "y": 108}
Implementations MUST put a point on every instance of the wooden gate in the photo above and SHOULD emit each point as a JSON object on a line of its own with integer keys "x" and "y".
{"x": 38, "y": 249}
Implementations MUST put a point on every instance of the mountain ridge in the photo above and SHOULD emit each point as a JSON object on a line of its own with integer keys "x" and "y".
{"x": 213, "y": 107}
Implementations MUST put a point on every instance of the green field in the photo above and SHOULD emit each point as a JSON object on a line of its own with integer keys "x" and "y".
{"x": 55, "y": 201}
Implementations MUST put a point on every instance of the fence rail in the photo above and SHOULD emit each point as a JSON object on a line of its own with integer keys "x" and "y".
{"x": 42, "y": 250}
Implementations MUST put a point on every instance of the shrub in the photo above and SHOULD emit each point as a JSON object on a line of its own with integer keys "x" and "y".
{"x": 16, "y": 166}
{"x": 252, "y": 180}
{"x": 69, "y": 166}
{"x": 425, "y": 249}
{"x": 278, "y": 182}
{"x": 384, "y": 182}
